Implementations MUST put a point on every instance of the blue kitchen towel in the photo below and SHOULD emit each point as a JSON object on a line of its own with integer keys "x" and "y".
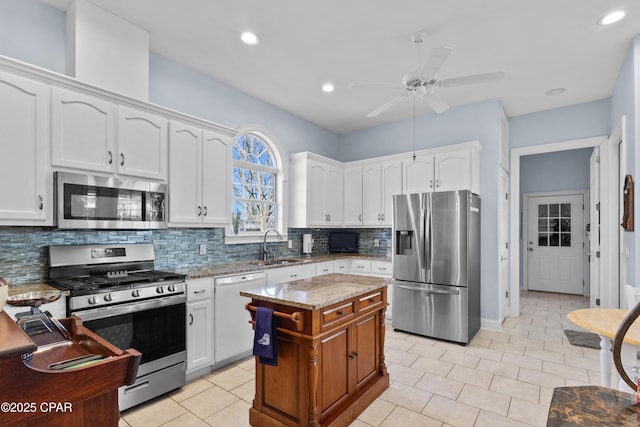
{"x": 264, "y": 340}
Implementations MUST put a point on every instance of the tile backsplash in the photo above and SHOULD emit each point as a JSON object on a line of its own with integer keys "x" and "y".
{"x": 23, "y": 250}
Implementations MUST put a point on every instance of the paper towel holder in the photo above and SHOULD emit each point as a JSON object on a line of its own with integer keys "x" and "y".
{"x": 307, "y": 244}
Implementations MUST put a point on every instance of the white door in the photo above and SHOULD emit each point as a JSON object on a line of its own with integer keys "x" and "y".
{"x": 216, "y": 177}
{"x": 353, "y": 196}
{"x": 333, "y": 195}
{"x": 418, "y": 174}
{"x": 594, "y": 228}
{"x": 185, "y": 176}
{"x": 142, "y": 144}
{"x": 555, "y": 243}
{"x": 391, "y": 184}
{"x": 453, "y": 171}
{"x": 503, "y": 242}
{"x": 371, "y": 194}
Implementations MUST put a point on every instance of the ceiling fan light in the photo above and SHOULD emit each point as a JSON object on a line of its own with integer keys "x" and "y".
{"x": 250, "y": 38}
{"x": 328, "y": 87}
{"x": 613, "y": 17}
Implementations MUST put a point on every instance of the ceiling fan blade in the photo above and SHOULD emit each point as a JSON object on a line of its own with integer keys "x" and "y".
{"x": 376, "y": 85}
{"x": 436, "y": 103}
{"x": 472, "y": 80}
{"x": 433, "y": 63}
{"x": 386, "y": 105}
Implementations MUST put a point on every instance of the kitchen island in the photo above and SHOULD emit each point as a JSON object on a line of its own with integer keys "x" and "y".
{"x": 330, "y": 343}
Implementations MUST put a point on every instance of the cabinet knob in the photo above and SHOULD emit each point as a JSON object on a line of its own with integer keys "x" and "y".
{"x": 199, "y": 210}
{"x": 339, "y": 313}
{"x": 110, "y": 157}
{"x": 121, "y": 159}
{"x": 437, "y": 183}
{"x": 430, "y": 183}
{"x": 41, "y": 202}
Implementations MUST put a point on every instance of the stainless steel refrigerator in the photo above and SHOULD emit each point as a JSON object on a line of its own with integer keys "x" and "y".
{"x": 437, "y": 264}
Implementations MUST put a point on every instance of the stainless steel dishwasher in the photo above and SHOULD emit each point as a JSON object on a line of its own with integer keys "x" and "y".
{"x": 233, "y": 335}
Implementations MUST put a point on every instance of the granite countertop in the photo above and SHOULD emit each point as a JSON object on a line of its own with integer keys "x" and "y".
{"x": 258, "y": 265}
{"x": 22, "y": 288}
{"x": 317, "y": 292}
{"x": 592, "y": 406}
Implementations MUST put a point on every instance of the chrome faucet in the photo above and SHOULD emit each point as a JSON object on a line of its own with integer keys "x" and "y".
{"x": 265, "y": 251}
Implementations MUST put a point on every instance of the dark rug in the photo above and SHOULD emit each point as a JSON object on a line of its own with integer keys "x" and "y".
{"x": 583, "y": 339}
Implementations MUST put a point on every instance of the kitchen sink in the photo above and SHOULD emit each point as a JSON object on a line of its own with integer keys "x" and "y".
{"x": 283, "y": 261}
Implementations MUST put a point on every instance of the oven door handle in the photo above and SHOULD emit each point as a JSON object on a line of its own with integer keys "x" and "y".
{"x": 132, "y": 307}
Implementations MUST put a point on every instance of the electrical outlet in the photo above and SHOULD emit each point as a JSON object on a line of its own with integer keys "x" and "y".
{"x": 290, "y": 244}
{"x": 203, "y": 249}
{"x": 376, "y": 242}
{"x": 388, "y": 243}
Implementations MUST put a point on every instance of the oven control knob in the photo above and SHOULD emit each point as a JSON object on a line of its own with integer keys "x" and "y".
{"x": 108, "y": 298}
{"x": 135, "y": 293}
{"x": 160, "y": 290}
{"x": 94, "y": 300}
{"x": 171, "y": 288}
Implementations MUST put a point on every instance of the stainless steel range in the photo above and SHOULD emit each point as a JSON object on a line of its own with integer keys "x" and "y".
{"x": 117, "y": 293}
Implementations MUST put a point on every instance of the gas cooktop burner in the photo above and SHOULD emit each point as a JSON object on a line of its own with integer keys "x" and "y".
{"x": 120, "y": 279}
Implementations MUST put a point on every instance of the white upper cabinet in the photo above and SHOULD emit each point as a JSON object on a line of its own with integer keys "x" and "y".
{"x": 457, "y": 169}
{"x": 216, "y": 177}
{"x": 199, "y": 176}
{"x": 316, "y": 189}
{"x": 24, "y": 152}
{"x": 86, "y": 135}
{"x": 142, "y": 144}
{"x": 352, "y": 195}
{"x": 380, "y": 181}
{"x": 83, "y": 131}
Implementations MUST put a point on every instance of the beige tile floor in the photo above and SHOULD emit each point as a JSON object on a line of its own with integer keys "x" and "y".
{"x": 499, "y": 379}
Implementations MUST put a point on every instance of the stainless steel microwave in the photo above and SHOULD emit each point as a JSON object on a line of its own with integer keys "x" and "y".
{"x": 87, "y": 202}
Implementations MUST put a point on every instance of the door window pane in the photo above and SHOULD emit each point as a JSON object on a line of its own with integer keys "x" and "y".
{"x": 554, "y": 224}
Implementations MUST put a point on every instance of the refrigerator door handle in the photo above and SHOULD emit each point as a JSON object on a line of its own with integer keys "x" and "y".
{"x": 430, "y": 291}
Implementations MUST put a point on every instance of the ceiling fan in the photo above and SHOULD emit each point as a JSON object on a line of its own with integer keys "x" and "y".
{"x": 422, "y": 81}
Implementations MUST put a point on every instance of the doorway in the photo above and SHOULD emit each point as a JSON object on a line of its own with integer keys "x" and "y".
{"x": 554, "y": 242}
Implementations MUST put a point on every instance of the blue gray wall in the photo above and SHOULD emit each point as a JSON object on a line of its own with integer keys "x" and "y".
{"x": 558, "y": 171}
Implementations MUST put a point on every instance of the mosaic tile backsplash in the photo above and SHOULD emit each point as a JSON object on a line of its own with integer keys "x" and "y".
{"x": 23, "y": 250}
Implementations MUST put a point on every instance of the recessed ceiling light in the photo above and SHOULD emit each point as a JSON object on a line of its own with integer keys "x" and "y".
{"x": 613, "y": 17}
{"x": 554, "y": 92}
{"x": 250, "y": 38}
{"x": 327, "y": 87}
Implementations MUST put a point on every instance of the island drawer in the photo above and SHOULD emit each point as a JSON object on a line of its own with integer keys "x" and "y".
{"x": 337, "y": 313}
{"x": 370, "y": 301}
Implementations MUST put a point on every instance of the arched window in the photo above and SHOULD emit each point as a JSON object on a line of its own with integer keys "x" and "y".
{"x": 257, "y": 185}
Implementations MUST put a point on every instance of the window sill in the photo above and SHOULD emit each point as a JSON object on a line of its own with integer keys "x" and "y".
{"x": 253, "y": 238}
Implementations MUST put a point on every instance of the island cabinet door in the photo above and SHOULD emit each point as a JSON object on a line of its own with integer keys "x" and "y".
{"x": 335, "y": 370}
{"x": 365, "y": 353}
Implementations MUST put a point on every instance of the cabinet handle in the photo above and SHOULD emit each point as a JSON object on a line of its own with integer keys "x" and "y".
{"x": 372, "y": 300}
{"x": 41, "y": 200}
{"x": 324, "y": 270}
{"x": 341, "y": 267}
{"x": 382, "y": 217}
{"x": 437, "y": 183}
{"x": 200, "y": 291}
{"x": 110, "y": 157}
{"x": 190, "y": 319}
{"x": 199, "y": 211}
{"x": 205, "y": 211}
{"x": 328, "y": 217}
{"x": 382, "y": 268}
{"x": 360, "y": 217}
{"x": 293, "y": 276}
{"x": 339, "y": 313}
{"x": 121, "y": 159}
{"x": 351, "y": 356}
{"x": 359, "y": 266}
{"x": 430, "y": 183}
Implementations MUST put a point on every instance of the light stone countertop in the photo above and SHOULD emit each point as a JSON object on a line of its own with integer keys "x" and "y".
{"x": 317, "y": 292}
{"x": 250, "y": 266}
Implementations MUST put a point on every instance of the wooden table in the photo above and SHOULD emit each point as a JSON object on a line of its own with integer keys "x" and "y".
{"x": 605, "y": 322}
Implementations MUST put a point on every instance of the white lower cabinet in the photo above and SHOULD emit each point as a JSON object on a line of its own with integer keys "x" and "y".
{"x": 199, "y": 324}
{"x": 342, "y": 266}
{"x": 323, "y": 268}
{"x": 275, "y": 276}
{"x": 360, "y": 266}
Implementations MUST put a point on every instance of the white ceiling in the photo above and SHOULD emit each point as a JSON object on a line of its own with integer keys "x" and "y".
{"x": 540, "y": 44}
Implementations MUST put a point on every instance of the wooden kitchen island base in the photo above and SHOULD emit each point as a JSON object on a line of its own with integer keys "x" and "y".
{"x": 330, "y": 351}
